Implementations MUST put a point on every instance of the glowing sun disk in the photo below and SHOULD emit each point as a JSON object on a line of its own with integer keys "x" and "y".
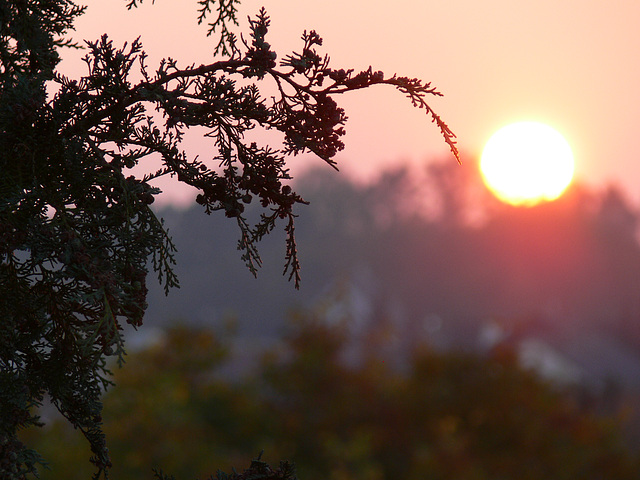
{"x": 527, "y": 162}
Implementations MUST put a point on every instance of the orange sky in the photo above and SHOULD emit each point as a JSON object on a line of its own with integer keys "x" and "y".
{"x": 572, "y": 64}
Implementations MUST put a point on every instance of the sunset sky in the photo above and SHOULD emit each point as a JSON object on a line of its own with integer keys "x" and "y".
{"x": 571, "y": 64}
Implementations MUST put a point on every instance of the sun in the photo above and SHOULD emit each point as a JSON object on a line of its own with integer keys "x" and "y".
{"x": 525, "y": 163}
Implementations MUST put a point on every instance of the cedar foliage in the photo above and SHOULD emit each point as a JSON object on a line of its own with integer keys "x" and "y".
{"x": 76, "y": 228}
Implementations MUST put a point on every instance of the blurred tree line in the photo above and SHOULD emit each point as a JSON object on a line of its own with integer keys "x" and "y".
{"x": 435, "y": 250}
{"x": 337, "y": 415}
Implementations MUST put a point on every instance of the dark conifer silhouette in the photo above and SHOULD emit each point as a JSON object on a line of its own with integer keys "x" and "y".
{"x": 76, "y": 228}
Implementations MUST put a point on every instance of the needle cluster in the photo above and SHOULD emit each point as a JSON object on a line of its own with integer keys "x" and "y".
{"x": 76, "y": 225}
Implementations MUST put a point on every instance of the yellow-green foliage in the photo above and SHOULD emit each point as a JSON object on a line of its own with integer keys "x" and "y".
{"x": 444, "y": 416}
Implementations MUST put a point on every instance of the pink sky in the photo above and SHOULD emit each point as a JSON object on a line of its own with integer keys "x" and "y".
{"x": 572, "y": 64}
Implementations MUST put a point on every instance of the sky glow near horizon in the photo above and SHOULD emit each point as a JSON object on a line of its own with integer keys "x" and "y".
{"x": 568, "y": 64}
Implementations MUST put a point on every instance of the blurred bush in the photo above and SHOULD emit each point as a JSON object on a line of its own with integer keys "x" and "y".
{"x": 342, "y": 415}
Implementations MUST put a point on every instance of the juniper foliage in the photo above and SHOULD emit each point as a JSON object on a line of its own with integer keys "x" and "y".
{"x": 258, "y": 470}
{"x": 76, "y": 227}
